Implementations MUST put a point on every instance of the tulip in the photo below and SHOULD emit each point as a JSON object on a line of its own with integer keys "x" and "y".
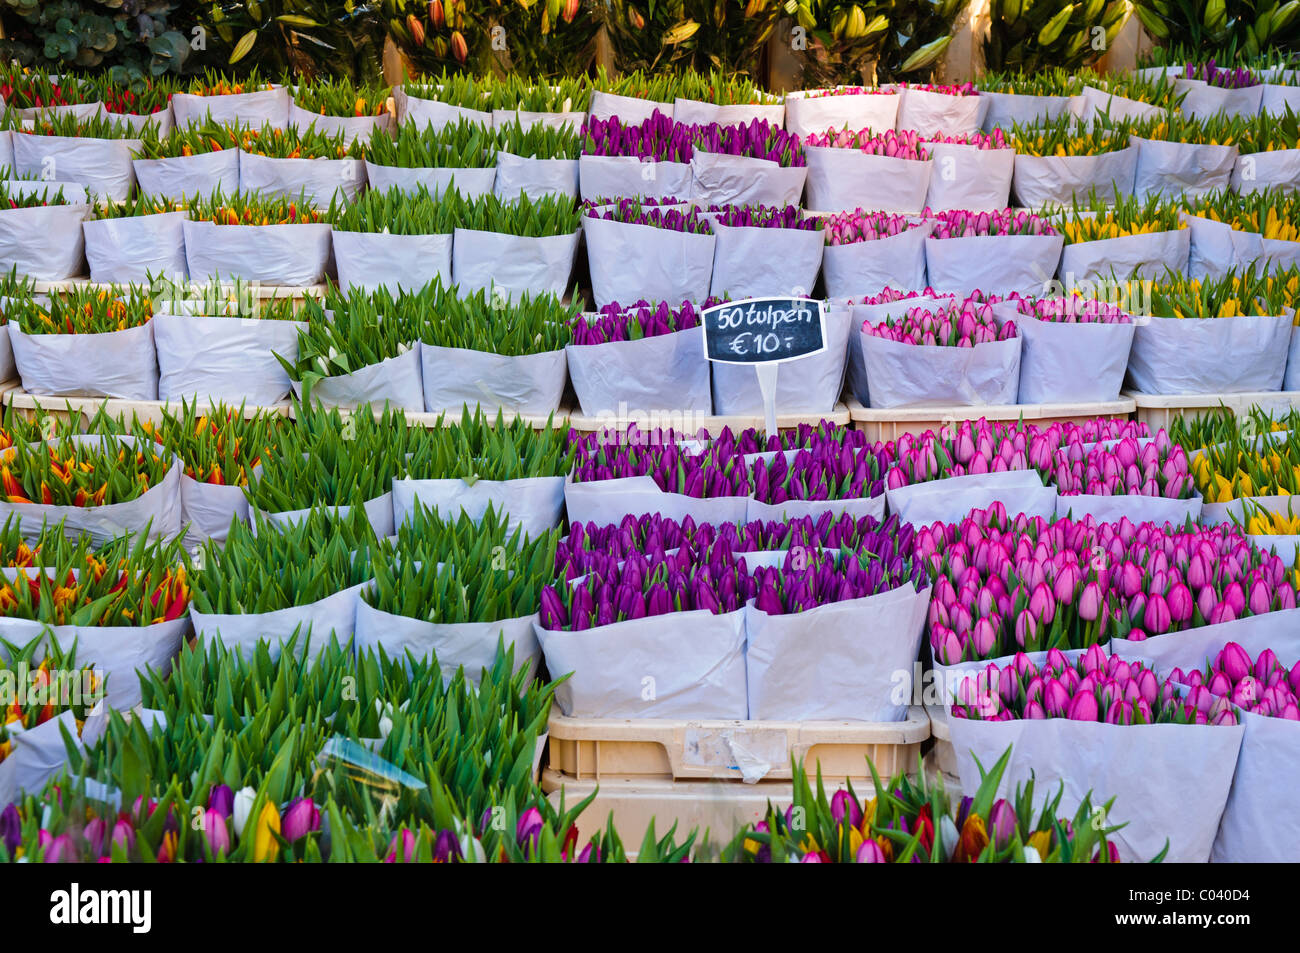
{"x": 124, "y": 835}
{"x": 11, "y": 829}
{"x": 215, "y": 832}
{"x": 845, "y": 805}
{"x": 301, "y": 818}
{"x": 1083, "y": 707}
{"x": 265, "y": 846}
{"x": 1233, "y": 661}
{"x": 528, "y": 830}
{"x": 222, "y": 800}
{"x": 61, "y": 850}
{"x": 408, "y": 843}
{"x": 870, "y": 853}
{"x": 242, "y": 808}
{"x": 1002, "y": 823}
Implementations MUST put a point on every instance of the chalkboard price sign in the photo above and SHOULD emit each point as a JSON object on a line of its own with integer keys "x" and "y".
{"x": 764, "y": 330}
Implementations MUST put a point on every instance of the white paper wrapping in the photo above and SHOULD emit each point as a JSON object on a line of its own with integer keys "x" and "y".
{"x": 741, "y": 180}
{"x": 429, "y": 112}
{"x": 912, "y": 375}
{"x": 526, "y": 384}
{"x": 274, "y": 254}
{"x": 856, "y": 507}
{"x": 1051, "y": 354}
{"x": 864, "y": 268}
{"x": 181, "y": 177}
{"x": 623, "y": 379}
{"x": 805, "y": 115}
{"x": 1203, "y": 101}
{"x": 1094, "y": 101}
{"x": 103, "y": 166}
{"x": 1138, "y": 509}
{"x": 472, "y": 645}
{"x": 111, "y": 364}
{"x": 512, "y": 263}
{"x": 372, "y": 260}
{"x": 531, "y": 503}
{"x": 208, "y": 509}
{"x": 1186, "y": 355}
{"x": 1007, "y": 109}
{"x": 254, "y": 109}
{"x": 352, "y": 127}
{"x": 44, "y": 242}
{"x": 1276, "y": 97}
{"x": 1059, "y": 180}
{"x": 630, "y": 110}
{"x": 754, "y": 262}
{"x": 1141, "y": 256}
{"x": 631, "y": 262}
{"x": 224, "y": 359}
{"x": 336, "y": 613}
{"x": 158, "y": 508}
{"x": 535, "y": 177}
{"x": 1291, "y": 379}
{"x": 608, "y": 501}
{"x": 835, "y": 662}
{"x": 614, "y": 177}
{"x": 679, "y": 665}
{"x": 1146, "y": 768}
{"x": 1217, "y": 247}
{"x": 569, "y": 119}
{"x": 841, "y": 180}
{"x": 694, "y": 112}
{"x": 470, "y": 183}
{"x": 395, "y": 380}
{"x": 806, "y": 385}
{"x": 875, "y": 313}
{"x": 951, "y": 500}
{"x": 136, "y": 249}
{"x": 995, "y": 264}
{"x": 932, "y": 114}
{"x": 1176, "y": 169}
{"x": 968, "y": 177}
{"x": 379, "y": 514}
{"x": 38, "y": 755}
{"x": 322, "y": 181}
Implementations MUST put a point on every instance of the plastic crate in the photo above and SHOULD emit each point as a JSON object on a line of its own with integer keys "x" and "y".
{"x": 83, "y": 409}
{"x": 889, "y": 424}
{"x": 692, "y": 423}
{"x": 716, "y": 807}
{"x": 1160, "y": 410}
{"x": 652, "y": 749}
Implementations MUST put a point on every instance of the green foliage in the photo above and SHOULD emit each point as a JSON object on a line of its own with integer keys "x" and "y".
{"x": 1030, "y": 36}
{"x": 1227, "y": 30}
{"x": 143, "y": 38}
{"x": 698, "y": 34}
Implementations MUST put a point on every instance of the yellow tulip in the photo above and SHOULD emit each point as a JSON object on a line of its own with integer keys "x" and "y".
{"x": 1041, "y": 841}
{"x": 265, "y": 846}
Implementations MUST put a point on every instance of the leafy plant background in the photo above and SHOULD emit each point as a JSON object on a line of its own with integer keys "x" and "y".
{"x": 1032, "y": 36}
{"x": 142, "y": 37}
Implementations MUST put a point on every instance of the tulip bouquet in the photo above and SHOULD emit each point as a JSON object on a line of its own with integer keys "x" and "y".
{"x": 1159, "y": 91}
{"x": 997, "y": 139}
{"x": 451, "y": 571}
{"x": 824, "y": 472}
{"x": 848, "y": 91}
{"x": 1238, "y": 466}
{"x": 803, "y": 437}
{"x": 454, "y": 89}
{"x": 328, "y": 460}
{"x": 349, "y": 331}
{"x": 294, "y": 143}
{"x": 188, "y": 141}
{"x": 616, "y": 322}
{"x": 659, "y": 87}
{"x": 265, "y": 567}
{"x": 1094, "y": 688}
{"x": 524, "y": 216}
{"x": 756, "y": 139}
{"x": 890, "y": 295}
{"x": 631, "y": 212}
{"x": 647, "y": 586}
{"x": 1218, "y": 130}
{"x": 459, "y": 145}
{"x": 140, "y": 99}
{"x": 36, "y": 198}
{"x": 64, "y": 473}
{"x": 949, "y": 89}
{"x": 963, "y": 224}
{"x": 965, "y": 325}
{"x": 397, "y": 212}
{"x": 221, "y": 447}
{"x": 538, "y": 141}
{"x": 1158, "y": 468}
{"x": 763, "y": 216}
{"x": 340, "y": 97}
{"x": 137, "y": 206}
{"x": 959, "y": 450}
{"x": 1273, "y": 215}
{"x": 43, "y": 692}
{"x": 1096, "y": 220}
{"x": 1258, "y": 521}
{"x": 1071, "y": 309}
{"x": 1234, "y": 295}
{"x": 215, "y": 83}
{"x": 703, "y": 475}
{"x": 478, "y": 447}
{"x": 1271, "y": 133}
{"x": 882, "y": 564}
{"x": 657, "y": 139}
{"x": 539, "y": 95}
{"x": 1056, "y": 81}
{"x": 1065, "y": 137}
{"x": 720, "y": 88}
{"x": 1238, "y": 78}
{"x": 82, "y": 311}
{"x": 243, "y": 208}
{"x": 914, "y": 821}
{"x": 23, "y": 89}
{"x": 894, "y": 145}
{"x": 70, "y": 125}
{"x": 1262, "y": 686}
{"x": 846, "y": 228}
{"x": 529, "y": 324}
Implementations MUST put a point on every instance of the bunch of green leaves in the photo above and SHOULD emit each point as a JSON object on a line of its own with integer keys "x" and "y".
{"x": 555, "y": 38}
{"x": 299, "y": 143}
{"x": 655, "y": 86}
{"x": 527, "y": 324}
{"x": 526, "y": 217}
{"x": 538, "y": 94}
{"x": 360, "y": 329}
{"x": 210, "y": 136}
{"x": 1174, "y": 126}
{"x": 459, "y": 145}
{"x": 450, "y": 571}
{"x": 537, "y": 141}
{"x": 308, "y": 38}
{"x": 396, "y": 212}
{"x": 264, "y": 566}
{"x": 459, "y": 41}
{"x": 453, "y": 89}
{"x": 83, "y": 310}
{"x": 721, "y": 89}
{"x": 1052, "y": 81}
{"x": 30, "y": 198}
{"x": 1034, "y": 36}
{"x": 331, "y": 459}
{"x": 67, "y": 124}
{"x": 136, "y": 206}
{"x": 340, "y": 97}
{"x": 844, "y": 40}
{"x": 1228, "y": 30}
{"x": 689, "y": 34}
{"x": 480, "y": 448}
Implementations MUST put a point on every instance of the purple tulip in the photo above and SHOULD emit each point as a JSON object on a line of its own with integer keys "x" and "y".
{"x": 11, "y": 828}
{"x": 215, "y": 832}
{"x": 222, "y": 800}
{"x": 845, "y": 805}
{"x": 870, "y": 852}
{"x": 528, "y": 830}
{"x": 300, "y": 819}
{"x": 1002, "y": 823}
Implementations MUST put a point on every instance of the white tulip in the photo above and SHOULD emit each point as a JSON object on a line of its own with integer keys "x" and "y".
{"x": 244, "y": 799}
